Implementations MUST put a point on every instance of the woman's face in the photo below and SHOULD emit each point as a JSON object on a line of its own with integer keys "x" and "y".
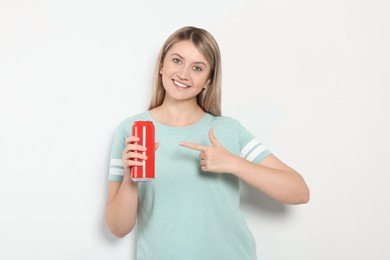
{"x": 184, "y": 72}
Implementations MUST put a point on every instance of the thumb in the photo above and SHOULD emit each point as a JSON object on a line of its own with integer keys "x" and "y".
{"x": 213, "y": 140}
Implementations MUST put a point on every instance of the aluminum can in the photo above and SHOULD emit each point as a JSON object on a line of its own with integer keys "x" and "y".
{"x": 145, "y": 131}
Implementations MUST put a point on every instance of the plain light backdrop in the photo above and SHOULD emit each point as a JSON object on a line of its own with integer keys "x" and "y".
{"x": 311, "y": 79}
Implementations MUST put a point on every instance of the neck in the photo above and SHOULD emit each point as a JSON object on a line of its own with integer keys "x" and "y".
{"x": 178, "y": 114}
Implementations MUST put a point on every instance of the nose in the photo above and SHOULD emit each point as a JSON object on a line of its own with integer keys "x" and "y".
{"x": 183, "y": 73}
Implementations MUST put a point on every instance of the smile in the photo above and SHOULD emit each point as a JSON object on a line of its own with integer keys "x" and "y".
{"x": 179, "y": 84}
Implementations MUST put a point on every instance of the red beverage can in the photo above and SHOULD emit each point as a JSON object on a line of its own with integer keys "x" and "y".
{"x": 144, "y": 130}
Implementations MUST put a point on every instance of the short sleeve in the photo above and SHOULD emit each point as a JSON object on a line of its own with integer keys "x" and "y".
{"x": 250, "y": 147}
{"x": 116, "y": 169}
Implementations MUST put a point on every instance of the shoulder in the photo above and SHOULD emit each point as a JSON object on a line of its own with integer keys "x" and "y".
{"x": 226, "y": 126}
{"x": 225, "y": 121}
{"x": 231, "y": 127}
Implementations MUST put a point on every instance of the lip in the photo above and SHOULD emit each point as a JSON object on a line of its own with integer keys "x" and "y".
{"x": 178, "y": 81}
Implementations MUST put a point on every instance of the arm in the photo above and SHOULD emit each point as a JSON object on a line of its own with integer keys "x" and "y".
{"x": 121, "y": 208}
{"x": 271, "y": 176}
{"x": 122, "y": 202}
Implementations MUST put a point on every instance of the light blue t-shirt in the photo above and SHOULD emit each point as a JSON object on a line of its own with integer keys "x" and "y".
{"x": 185, "y": 213}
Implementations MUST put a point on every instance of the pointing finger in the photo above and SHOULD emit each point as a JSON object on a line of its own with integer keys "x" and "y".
{"x": 193, "y": 146}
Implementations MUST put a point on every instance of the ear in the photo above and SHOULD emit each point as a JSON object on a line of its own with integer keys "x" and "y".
{"x": 161, "y": 70}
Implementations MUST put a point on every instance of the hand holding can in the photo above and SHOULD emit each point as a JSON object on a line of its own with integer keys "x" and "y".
{"x": 132, "y": 152}
{"x": 144, "y": 130}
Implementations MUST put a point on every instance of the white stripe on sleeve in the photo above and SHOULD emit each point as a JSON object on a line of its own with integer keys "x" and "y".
{"x": 116, "y": 162}
{"x": 256, "y": 152}
{"x": 116, "y": 171}
{"x": 249, "y": 146}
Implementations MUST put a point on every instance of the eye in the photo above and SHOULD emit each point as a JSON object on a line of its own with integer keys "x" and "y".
{"x": 176, "y": 60}
{"x": 197, "y": 68}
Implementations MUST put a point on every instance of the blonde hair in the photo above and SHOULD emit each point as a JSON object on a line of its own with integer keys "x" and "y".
{"x": 210, "y": 98}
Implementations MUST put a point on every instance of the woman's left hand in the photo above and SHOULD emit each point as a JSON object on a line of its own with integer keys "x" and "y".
{"x": 213, "y": 158}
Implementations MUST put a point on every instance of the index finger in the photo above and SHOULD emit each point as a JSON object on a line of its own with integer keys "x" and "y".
{"x": 193, "y": 146}
{"x": 131, "y": 139}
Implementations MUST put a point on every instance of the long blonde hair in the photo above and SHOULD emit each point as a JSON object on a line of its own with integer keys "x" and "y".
{"x": 210, "y": 98}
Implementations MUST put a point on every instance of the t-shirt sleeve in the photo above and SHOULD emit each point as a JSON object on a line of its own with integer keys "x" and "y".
{"x": 250, "y": 147}
{"x": 116, "y": 169}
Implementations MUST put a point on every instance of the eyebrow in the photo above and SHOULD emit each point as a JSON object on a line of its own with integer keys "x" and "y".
{"x": 197, "y": 62}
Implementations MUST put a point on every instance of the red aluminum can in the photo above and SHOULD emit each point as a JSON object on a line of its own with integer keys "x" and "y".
{"x": 145, "y": 131}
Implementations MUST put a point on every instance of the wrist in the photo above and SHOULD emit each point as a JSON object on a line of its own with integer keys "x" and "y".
{"x": 237, "y": 164}
{"x": 127, "y": 177}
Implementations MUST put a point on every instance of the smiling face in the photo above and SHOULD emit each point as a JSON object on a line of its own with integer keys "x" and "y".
{"x": 185, "y": 72}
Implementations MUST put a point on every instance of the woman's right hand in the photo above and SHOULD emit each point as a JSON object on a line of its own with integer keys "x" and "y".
{"x": 132, "y": 155}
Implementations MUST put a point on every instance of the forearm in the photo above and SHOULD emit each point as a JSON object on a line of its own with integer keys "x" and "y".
{"x": 286, "y": 186}
{"x": 121, "y": 211}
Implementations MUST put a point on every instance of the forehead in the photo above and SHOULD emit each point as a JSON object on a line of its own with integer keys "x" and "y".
{"x": 188, "y": 51}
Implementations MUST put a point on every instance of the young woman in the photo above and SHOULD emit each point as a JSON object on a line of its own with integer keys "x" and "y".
{"x": 191, "y": 210}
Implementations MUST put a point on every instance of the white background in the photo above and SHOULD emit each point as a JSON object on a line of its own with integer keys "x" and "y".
{"x": 311, "y": 79}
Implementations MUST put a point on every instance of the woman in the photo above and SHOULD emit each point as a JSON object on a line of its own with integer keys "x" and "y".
{"x": 191, "y": 210}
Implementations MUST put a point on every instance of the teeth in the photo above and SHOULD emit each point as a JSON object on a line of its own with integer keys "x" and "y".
{"x": 180, "y": 84}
